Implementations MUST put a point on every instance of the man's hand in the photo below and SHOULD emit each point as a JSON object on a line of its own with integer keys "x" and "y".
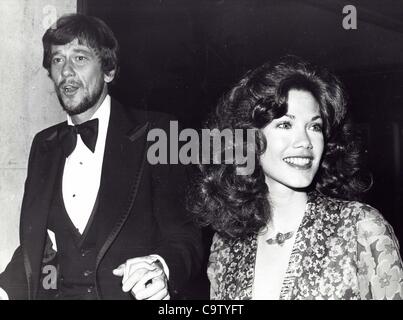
{"x": 144, "y": 277}
{"x": 3, "y": 294}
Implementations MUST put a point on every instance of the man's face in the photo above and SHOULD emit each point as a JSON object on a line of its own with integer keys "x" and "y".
{"x": 77, "y": 73}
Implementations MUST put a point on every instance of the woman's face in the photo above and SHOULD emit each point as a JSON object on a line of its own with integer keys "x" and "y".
{"x": 294, "y": 143}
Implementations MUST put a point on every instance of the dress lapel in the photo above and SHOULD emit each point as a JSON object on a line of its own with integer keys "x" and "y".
{"x": 306, "y": 254}
{"x": 236, "y": 282}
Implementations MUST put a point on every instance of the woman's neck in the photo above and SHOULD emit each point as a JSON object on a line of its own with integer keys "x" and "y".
{"x": 287, "y": 208}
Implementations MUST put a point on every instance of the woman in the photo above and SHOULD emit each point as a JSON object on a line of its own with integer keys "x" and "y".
{"x": 293, "y": 229}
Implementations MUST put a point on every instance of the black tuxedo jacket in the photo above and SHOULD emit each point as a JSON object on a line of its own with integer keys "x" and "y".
{"x": 141, "y": 209}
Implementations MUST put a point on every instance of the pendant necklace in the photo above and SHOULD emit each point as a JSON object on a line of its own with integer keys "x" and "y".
{"x": 280, "y": 238}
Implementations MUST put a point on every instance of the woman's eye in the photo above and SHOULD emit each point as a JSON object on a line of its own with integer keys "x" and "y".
{"x": 317, "y": 127}
{"x": 284, "y": 125}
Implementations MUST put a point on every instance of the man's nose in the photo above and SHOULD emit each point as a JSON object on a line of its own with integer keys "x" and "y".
{"x": 68, "y": 69}
{"x": 302, "y": 139}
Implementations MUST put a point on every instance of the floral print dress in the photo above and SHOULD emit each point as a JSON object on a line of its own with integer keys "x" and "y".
{"x": 343, "y": 250}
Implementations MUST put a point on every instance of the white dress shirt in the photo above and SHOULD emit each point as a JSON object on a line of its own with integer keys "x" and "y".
{"x": 82, "y": 171}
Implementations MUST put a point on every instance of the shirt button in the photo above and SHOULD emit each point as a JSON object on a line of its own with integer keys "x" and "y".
{"x": 87, "y": 273}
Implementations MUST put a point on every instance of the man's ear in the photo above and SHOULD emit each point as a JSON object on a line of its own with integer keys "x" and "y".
{"x": 108, "y": 77}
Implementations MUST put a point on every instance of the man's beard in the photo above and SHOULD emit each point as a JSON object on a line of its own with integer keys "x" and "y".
{"x": 85, "y": 104}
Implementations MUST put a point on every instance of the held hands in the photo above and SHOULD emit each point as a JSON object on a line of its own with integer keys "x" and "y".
{"x": 144, "y": 277}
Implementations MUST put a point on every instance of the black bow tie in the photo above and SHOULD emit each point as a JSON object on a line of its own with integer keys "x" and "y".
{"x": 68, "y": 136}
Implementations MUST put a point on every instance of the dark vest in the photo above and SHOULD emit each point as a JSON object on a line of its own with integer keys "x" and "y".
{"x": 76, "y": 254}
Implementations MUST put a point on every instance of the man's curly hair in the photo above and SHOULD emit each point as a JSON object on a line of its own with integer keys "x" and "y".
{"x": 237, "y": 205}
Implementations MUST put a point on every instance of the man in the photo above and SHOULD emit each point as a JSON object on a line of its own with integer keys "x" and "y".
{"x": 93, "y": 207}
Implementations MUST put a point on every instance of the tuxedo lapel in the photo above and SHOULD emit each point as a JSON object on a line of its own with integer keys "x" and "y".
{"x": 44, "y": 169}
{"x": 124, "y": 159}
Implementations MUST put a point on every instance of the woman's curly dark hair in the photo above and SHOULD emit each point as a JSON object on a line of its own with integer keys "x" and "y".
{"x": 237, "y": 205}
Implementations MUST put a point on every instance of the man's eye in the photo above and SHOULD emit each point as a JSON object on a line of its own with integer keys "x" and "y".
{"x": 284, "y": 125}
{"x": 57, "y": 60}
{"x": 81, "y": 59}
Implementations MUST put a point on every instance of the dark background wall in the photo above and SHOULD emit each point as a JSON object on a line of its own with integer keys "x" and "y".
{"x": 179, "y": 56}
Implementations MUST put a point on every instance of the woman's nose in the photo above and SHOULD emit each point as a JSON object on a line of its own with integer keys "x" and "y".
{"x": 302, "y": 140}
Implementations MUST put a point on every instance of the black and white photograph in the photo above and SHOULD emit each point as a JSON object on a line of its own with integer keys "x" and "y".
{"x": 211, "y": 150}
